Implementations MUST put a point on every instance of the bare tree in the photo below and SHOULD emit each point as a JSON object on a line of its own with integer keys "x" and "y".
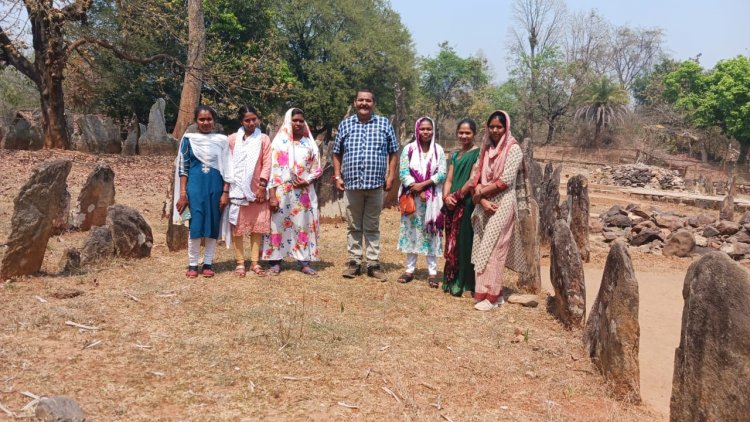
{"x": 586, "y": 44}
{"x": 633, "y": 52}
{"x": 191, "y": 88}
{"x": 540, "y": 26}
{"x": 52, "y": 48}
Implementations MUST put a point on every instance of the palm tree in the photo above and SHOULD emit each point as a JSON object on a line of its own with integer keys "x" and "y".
{"x": 604, "y": 105}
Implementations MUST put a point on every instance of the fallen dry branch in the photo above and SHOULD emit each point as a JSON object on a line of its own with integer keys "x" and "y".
{"x": 7, "y": 411}
{"x": 93, "y": 344}
{"x": 388, "y": 390}
{"x": 296, "y": 378}
{"x": 348, "y": 406}
{"x": 81, "y": 326}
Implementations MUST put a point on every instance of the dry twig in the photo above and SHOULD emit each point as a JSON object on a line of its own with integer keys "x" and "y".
{"x": 40, "y": 299}
{"x": 135, "y": 299}
{"x": 7, "y": 411}
{"x": 93, "y": 344}
{"x": 348, "y": 406}
{"x": 388, "y": 390}
{"x": 81, "y": 326}
{"x": 446, "y": 417}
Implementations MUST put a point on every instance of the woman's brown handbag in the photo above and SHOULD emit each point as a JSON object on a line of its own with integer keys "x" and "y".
{"x": 406, "y": 204}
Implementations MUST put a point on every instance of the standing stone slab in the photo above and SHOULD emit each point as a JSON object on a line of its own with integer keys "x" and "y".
{"x": 578, "y": 207}
{"x": 35, "y": 207}
{"x": 534, "y": 170}
{"x": 155, "y": 140}
{"x": 59, "y": 409}
{"x": 711, "y": 379}
{"x": 612, "y": 334}
{"x": 531, "y": 279}
{"x": 566, "y": 275}
{"x": 135, "y": 129}
{"x": 549, "y": 201}
{"x": 131, "y": 234}
{"x": 97, "y": 195}
{"x": 727, "y": 205}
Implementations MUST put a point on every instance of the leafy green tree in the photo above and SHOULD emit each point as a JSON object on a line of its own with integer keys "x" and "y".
{"x": 335, "y": 47}
{"x": 604, "y": 105}
{"x": 447, "y": 81}
{"x": 718, "y": 98}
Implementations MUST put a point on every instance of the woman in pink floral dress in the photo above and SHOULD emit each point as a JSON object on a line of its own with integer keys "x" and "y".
{"x": 295, "y": 164}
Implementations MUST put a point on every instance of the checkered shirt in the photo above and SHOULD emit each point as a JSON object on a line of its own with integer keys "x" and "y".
{"x": 365, "y": 148}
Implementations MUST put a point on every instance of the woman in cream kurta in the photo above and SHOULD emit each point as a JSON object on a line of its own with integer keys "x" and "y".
{"x": 496, "y": 240}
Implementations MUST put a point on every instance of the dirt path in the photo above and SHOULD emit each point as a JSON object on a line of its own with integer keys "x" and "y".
{"x": 660, "y": 314}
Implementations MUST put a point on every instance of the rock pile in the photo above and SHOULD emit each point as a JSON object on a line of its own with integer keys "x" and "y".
{"x": 640, "y": 176}
{"x": 676, "y": 235}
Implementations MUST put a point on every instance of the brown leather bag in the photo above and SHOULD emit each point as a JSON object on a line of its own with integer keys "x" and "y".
{"x": 406, "y": 204}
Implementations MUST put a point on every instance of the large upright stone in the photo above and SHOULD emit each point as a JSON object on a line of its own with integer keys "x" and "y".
{"x": 131, "y": 234}
{"x": 95, "y": 134}
{"x": 727, "y": 205}
{"x": 566, "y": 275}
{"x": 25, "y": 131}
{"x": 135, "y": 129}
{"x": 549, "y": 201}
{"x": 156, "y": 140}
{"x": 31, "y": 225}
{"x": 97, "y": 195}
{"x": 531, "y": 279}
{"x": 60, "y": 223}
{"x": 534, "y": 171}
{"x": 711, "y": 379}
{"x": 612, "y": 334}
{"x": 578, "y": 207}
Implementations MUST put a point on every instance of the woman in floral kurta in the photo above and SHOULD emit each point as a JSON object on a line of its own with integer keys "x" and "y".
{"x": 295, "y": 165}
{"x": 422, "y": 172}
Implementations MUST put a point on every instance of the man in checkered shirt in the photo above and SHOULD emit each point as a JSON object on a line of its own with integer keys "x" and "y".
{"x": 365, "y": 155}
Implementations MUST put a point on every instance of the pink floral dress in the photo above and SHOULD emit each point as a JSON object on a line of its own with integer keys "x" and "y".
{"x": 295, "y": 226}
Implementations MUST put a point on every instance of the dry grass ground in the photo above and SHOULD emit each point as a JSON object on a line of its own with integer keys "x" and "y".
{"x": 284, "y": 348}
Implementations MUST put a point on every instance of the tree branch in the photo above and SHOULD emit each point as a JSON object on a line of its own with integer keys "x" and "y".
{"x": 13, "y": 57}
{"x": 119, "y": 52}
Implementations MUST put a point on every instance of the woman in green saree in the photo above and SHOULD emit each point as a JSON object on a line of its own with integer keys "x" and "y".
{"x": 459, "y": 271}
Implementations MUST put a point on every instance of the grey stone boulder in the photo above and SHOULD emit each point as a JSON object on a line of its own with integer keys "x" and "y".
{"x": 71, "y": 262}
{"x": 700, "y": 220}
{"x": 681, "y": 243}
{"x": 59, "y": 409}
{"x": 24, "y": 131}
{"x": 98, "y": 246}
{"x": 131, "y": 235}
{"x": 727, "y": 228}
{"x": 612, "y": 333}
{"x": 710, "y": 231}
{"x": 34, "y": 209}
{"x": 712, "y": 361}
{"x": 647, "y": 235}
{"x": 95, "y": 134}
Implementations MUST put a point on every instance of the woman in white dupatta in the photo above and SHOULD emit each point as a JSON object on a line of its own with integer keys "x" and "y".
{"x": 248, "y": 209}
{"x": 203, "y": 171}
{"x": 422, "y": 173}
{"x": 295, "y": 165}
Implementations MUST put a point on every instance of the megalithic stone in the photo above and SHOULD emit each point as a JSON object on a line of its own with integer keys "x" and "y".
{"x": 35, "y": 207}
{"x": 578, "y": 208}
{"x": 531, "y": 279}
{"x": 566, "y": 275}
{"x": 612, "y": 334}
{"x": 711, "y": 380}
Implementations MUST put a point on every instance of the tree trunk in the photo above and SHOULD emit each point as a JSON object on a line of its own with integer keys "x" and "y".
{"x": 191, "y": 88}
{"x": 550, "y": 133}
{"x": 597, "y": 134}
{"x": 53, "y": 114}
{"x": 744, "y": 148}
